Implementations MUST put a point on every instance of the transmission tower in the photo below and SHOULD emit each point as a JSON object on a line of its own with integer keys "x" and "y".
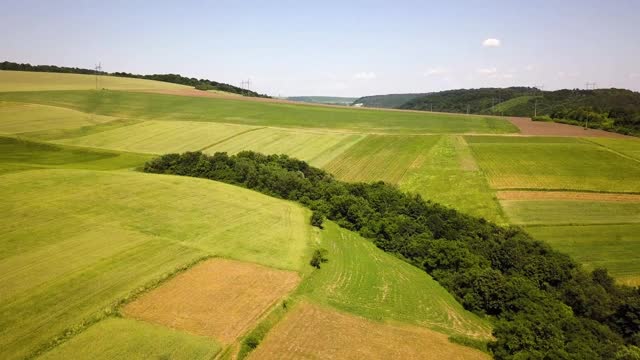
{"x": 590, "y": 86}
{"x": 98, "y": 70}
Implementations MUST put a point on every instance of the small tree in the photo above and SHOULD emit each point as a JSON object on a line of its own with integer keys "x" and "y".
{"x": 317, "y": 219}
{"x": 319, "y": 257}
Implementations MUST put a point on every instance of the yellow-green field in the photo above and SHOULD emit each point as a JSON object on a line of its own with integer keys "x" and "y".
{"x": 130, "y": 339}
{"x": 24, "y": 118}
{"x": 159, "y": 137}
{"x": 40, "y": 81}
{"x": 380, "y": 157}
{"x": 553, "y": 163}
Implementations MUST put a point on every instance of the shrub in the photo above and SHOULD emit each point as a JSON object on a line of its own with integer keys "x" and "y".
{"x": 319, "y": 257}
{"x": 317, "y": 219}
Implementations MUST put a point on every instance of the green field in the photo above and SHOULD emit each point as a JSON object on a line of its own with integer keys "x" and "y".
{"x": 627, "y": 147}
{"x": 448, "y": 174}
{"x": 42, "y": 81}
{"x": 130, "y": 339}
{"x": 362, "y": 279}
{"x": 74, "y": 242}
{"x": 259, "y": 113}
{"x": 159, "y": 137}
{"x": 380, "y": 157}
{"x": 316, "y": 147}
{"x": 20, "y": 154}
{"x": 568, "y": 212}
{"x": 553, "y": 163}
{"x": 19, "y": 118}
{"x": 614, "y": 247}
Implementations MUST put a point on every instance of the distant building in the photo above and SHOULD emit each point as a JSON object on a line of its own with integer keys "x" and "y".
{"x": 358, "y": 105}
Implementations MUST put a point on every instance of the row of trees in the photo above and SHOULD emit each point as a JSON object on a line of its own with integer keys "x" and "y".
{"x": 200, "y": 84}
{"x": 543, "y": 303}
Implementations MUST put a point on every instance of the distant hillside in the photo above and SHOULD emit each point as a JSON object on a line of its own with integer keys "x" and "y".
{"x": 330, "y": 100}
{"x": 466, "y": 100}
{"x": 200, "y": 84}
{"x": 608, "y": 109}
{"x": 386, "y": 101}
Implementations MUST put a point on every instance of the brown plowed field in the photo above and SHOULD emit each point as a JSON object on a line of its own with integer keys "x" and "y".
{"x": 542, "y": 128}
{"x": 218, "y": 298}
{"x": 313, "y": 332}
{"x": 566, "y": 195}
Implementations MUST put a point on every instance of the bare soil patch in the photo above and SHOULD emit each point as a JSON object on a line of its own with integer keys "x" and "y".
{"x": 311, "y": 331}
{"x": 566, "y": 195}
{"x": 542, "y": 128}
{"x": 218, "y": 298}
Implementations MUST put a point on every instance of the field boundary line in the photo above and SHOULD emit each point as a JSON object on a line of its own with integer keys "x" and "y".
{"x": 577, "y": 224}
{"x": 113, "y": 309}
{"x": 230, "y": 137}
{"x": 569, "y": 190}
{"x": 611, "y": 150}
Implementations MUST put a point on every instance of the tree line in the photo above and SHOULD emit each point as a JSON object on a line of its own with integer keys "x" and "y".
{"x": 200, "y": 84}
{"x": 616, "y": 110}
{"x": 543, "y": 304}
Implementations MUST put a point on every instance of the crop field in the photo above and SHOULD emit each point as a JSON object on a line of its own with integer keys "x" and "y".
{"x": 18, "y": 118}
{"x": 553, "y": 163}
{"x": 218, "y": 298}
{"x": 448, "y": 174}
{"x": 20, "y": 154}
{"x": 614, "y": 247}
{"x": 380, "y": 157}
{"x": 147, "y": 106}
{"x": 628, "y": 147}
{"x": 571, "y": 212}
{"x": 159, "y": 137}
{"x": 66, "y": 229}
{"x": 311, "y": 331}
{"x": 41, "y": 81}
{"x": 116, "y": 338}
{"x": 316, "y": 147}
{"x": 362, "y": 279}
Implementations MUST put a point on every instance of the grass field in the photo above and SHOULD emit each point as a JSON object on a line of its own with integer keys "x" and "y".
{"x": 380, "y": 157}
{"x": 316, "y": 147}
{"x": 362, "y": 279}
{"x": 116, "y": 338}
{"x": 19, "y": 154}
{"x": 615, "y": 247}
{"x": 74, "y": 242}
{"x": 311, "y": 331}
{"x": 160, "y": 137}
{"x": 218, "y": 298}
{"x": 571, "y": 212}
{"x": 18, "y": 118}
{"x": 553, "y": 163}
{"x": 169, "y": 107}
{"x": 41, "y": 81}
{"x": 630, "y": 147}
{"x": 448, "y": 174}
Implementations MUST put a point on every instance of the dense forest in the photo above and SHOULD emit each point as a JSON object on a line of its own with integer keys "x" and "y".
{"x": 608, "y": 109}
{"x": 200, "y": 84}
{"x": 386, "y": 101}
{"x": 544, "y": 305}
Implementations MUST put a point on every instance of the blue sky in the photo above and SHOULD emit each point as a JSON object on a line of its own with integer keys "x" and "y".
{"x": 342, "y": 48}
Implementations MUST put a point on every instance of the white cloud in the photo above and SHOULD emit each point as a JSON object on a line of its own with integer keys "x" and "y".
{"x": 634, "y": 75}
{"x": 491, "y": 42}
{"x": 529, "y": 68}
{"x": 507, "y": 76}
{"x": 488, "y": 71}
{"x": 436, "y": 71}
{"x": 365, "y": 75}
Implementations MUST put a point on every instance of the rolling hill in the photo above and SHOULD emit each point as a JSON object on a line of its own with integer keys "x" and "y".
{"x": 389, "y": 101}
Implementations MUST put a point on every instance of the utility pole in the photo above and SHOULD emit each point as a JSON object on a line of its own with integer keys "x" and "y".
{"x": 467, "y": 109}
{"x": 535, "y": 108}
{"x": 431, "y": 107}
{"x": 98, "y": 69}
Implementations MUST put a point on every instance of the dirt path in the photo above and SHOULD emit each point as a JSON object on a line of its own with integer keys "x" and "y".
{"x": 541, "y": 128}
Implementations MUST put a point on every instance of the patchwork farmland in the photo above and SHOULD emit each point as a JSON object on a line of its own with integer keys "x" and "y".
{"x": 97, "y": 258}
